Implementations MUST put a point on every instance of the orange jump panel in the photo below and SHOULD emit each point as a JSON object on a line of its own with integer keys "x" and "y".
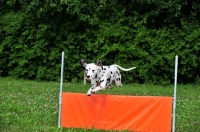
{"x": 116, "y": 112}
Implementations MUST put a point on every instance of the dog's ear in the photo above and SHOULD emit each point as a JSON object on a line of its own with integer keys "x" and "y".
{"x": 99, "y": 63}
{"x": 83, "y": 62}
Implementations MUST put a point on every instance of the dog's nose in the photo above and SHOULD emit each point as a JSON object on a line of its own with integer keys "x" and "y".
{"x": 88, "y": 76}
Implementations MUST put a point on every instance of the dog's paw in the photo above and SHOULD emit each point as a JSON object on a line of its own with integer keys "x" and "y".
{"x": 89, "y": 93}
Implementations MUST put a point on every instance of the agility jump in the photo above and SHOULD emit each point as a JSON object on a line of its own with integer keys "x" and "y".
{"x": 117, "y": 112}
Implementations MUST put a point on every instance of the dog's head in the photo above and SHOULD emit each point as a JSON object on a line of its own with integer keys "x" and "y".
{"x": 93, "y": 70}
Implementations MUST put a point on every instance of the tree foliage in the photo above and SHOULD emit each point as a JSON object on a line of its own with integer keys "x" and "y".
{"x": 146, "y": 34}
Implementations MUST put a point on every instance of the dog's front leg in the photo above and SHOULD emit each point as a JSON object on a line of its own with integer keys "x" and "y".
{"x": 93, "y": 83}
{"x": 101, "y": 87}
{"x": 94, "y": 90}
{"x": 90, "y": 91}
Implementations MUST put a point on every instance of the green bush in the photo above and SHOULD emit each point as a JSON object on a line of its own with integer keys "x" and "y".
{"x": 33, "y": 35}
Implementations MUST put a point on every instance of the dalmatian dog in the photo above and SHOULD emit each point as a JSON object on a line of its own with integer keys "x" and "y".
{"x": 102, "y": 76}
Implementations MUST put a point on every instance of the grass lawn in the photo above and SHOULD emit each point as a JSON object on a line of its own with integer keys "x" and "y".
{"x": 27, "y": 106}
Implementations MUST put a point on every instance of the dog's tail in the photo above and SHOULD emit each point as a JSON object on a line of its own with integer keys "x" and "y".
{"x": 123, "y": 69}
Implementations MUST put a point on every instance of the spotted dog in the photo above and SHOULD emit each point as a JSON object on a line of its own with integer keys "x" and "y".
{"x": 102, "y": 76}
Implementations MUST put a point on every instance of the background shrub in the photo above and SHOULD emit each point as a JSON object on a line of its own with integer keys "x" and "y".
{"x": 145, "y": 34}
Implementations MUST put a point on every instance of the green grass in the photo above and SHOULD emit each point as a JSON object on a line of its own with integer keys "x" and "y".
{"x": 33, "y": 106}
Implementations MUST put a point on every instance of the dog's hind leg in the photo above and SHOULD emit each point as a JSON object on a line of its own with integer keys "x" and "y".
{"x": 118, "y": 83}
{"x": 110, "y": 85}
{"x": 118, "y": 79}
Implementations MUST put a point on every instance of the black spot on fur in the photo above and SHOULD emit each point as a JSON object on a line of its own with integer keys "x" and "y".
{"x": 111, "y": 72}
{"x": 101, "y": 80}
{"x": 96, "y": 76}
{"x": 118, "y": 73}
{"x": 104, "y": 68}
{"x": 118, "y": 79}
{"x": 93, "y": 92}
{"x": 108, "y": 81}
{"x": 93, "y": 71}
